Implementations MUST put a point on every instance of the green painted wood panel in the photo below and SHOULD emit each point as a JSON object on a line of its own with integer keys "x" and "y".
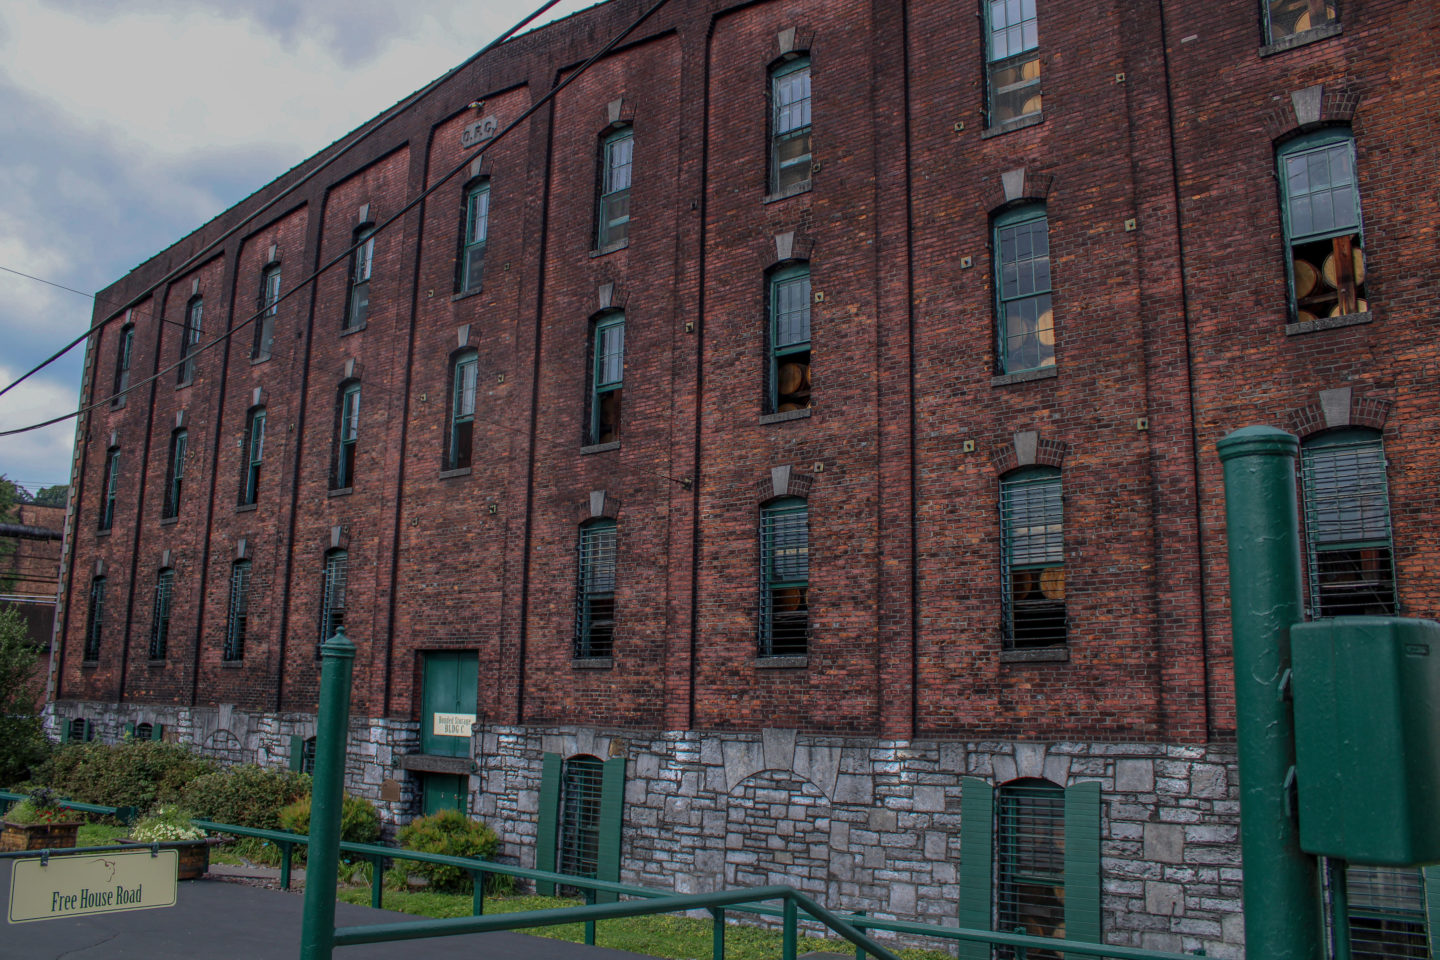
{"x": 449, "y": 684}
{"x": 612, "y": 822}
{"x": 157, "y": 731}
{"x": 1432, "y": 908}
{"x": 977, "y": 832}
{"x": 549, "y": 819}
{"x": 1082, "y": 862}
{"x": 443, "y": 791}
{"x": 297, "y": 754}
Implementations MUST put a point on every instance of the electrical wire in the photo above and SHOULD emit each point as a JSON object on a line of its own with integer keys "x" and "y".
{"x": 201, "y": 255}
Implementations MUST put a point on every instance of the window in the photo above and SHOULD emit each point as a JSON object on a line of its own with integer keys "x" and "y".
{"x": 595, "y": 592}
{"x": 346, "y": 437}
{"x": 268, "y": 306}
{"x": 464, "y": 378}
{"x": 612, "y": 223}
{"x": 111, "y": 484}
{"x": 95, "y": 619}
{"x": 332, "y": 595}
{"x": 477, "y": 229}
{"x": 145, "y": 731}
{"x": 1030, "y": 862}
{"x": 577, "y": 852}
{"x": 190, "y": 338}
{"x": 1033, "y": 559}
{"x": 160, "y": 618}
{"x": 1324, "y": 244}
{"x": 790, "y": 126}
{"x": 237, "y": 620}
{"x": 307, "y": 756}
{"x": 254, "y": 456}
{"x": 1285, "y": 18}
{"x": 785, "y": 578}
{"x": 122, "y": 362}
{"x": 1012, "y": 61}
{"x": 175, "y": 478}
{"x": 607, "y": 377}
{"x": 789, "y": 335}
{"x": 1387, "y": 912}
{"x": 362, "y": 261}
{"x": 79, "y": 730}
{"x": 1022, "y": 290}
{"x": 1349, "y": 550}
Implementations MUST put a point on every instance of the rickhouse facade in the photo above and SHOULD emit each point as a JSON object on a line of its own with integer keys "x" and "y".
{"x": 788, "y": 453}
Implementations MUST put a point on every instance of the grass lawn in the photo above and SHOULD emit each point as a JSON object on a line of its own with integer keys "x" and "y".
{"x": 99, "y": 834}
{"x": 658, "y": 936}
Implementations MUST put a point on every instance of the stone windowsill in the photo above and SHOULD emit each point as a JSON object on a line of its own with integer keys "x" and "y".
{"x": 593, "y": 663}
{"x": 1009, "y": 126}
{"x": 793, "y": 190}
{"x": 600, "y": 447}
{"x": 232, "y": 664}
{"x": 467, "y": 294}
{"x": 245, "y": 507}
{"x": 169, "y": 521}
{"x": 117, "y": 403}
{"x": 781, "y": 663}
{"x": 341, "y": 492}
{"x": 787, "y": 415}
{"x": 156, "y": 664}
{"x": 346, "y": 331}
{"x": 610, "y": 248}
{"x": 1328, "y": 323}
{"x": 457, "y": 472}
{"x": 1039, "y": 654}
{"x": 103, "y": 532}
{"x": 1025, "y": 376}
{"x": 183, "y": 384}
{"x": 89, "y": 664}
{"x": 260, "y": 359}
{"x": 1322, "y": 32}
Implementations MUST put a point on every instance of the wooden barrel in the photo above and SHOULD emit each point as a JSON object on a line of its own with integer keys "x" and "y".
{"x": 1305, "y": 316}
{"x": 1357, "y": 261}
{"x": 1052, "y": 583}
{"x": 1032, "y": 105}
{"x": 1361, "y": 306}
{"x": 1045, "y": 328}
{"x": 1031, "y": 71}
{"x": 1022, "y": 583}
{"x": 792, "y": 377}
{"x": 1306, "y": 276}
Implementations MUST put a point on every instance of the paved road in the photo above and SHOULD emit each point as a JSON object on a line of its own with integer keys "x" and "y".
{"x": 214, "y": 920}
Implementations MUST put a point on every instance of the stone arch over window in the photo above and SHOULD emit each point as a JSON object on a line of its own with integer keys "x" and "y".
{"x": 784, "y": 840}
{"x": 1027, "y": 448}
{"x": 1309, "y": 108}
{"x": 1019, "y": 186}
{"x": 782, "y": 481}
{"x": 1337, "y": 408}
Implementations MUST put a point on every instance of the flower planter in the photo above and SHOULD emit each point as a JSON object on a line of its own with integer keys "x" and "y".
{"x": 194, "y": 854}
{"x": 38, "y": 836}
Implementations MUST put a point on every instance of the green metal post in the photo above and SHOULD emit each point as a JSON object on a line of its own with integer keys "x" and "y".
{"x": 1339, "y": 909}
{"x": 317, "y": 934}
{"x": 287, "y": 857}
{"x": 717, "y": 934}
{"x": 788, "y": 937}
{"x": 477, "y": 896}
{"x": 859, "y": 951}
{"x": 1282, "y": 887}
{"x": 377, "y": 877}
{"x": 590, "y": 924}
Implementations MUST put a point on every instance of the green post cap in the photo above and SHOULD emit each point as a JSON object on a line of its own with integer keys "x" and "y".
{"x": 338, "y": 645}
{"x": 1257, "y": 441}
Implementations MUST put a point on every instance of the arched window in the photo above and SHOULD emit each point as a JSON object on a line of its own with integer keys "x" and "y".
{"x": 1025, "y": 322}
{"x": 595, "y": 590}
{"x": 237, "y": 620}
{"x": 175, "y": 474}
{"x": 607, "y": 377}
{"x": 785, "y": 578}
{"x": 1012, "y": 60}
{"x": 1349, "y": 550}
{"x": 1032, "y": 558}
{"x": 612, "y": 221}
{"x": 190, "y": 338}
{"x": 788, "y": 335}
{"x": 110, "y": 488}
{"x": 464, "y": 379}
{"x": 362, "y": 262}
{"x": 95, "y": 619}
{"x": 123, "y": 353}
{"x": 790, "y": 126}
{"x": 160, "y": 614}
{"x": 79, "y": 730}
{"x": 144, "y": 731}
{"x": 332, "y": 595}
{"x": 473, "y": 235}
{"x": 347, "y": 435}
{"x": 269, "y": 306}
{"x": 1030, "y": 861}
{"x": 254, "y": 452}
{"x": 1324, "y": 242}
{"x": 578, "y": 837}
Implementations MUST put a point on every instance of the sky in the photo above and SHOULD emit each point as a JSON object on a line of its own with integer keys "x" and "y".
{"x": 126, "y": 125}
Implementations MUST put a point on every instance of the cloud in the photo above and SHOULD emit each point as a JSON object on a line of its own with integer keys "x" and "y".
{"x": 41, "y": 457}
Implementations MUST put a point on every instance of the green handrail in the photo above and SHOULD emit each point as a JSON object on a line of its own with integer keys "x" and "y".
{"x": 123, "y": 814}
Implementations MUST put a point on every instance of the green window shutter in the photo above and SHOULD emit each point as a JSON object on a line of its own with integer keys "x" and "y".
{"x": 65, "y": 732}
{"x": 612, "y": 822}
{"x": 1432, "y": 908}
{"x": 157, "y": 731}
{"x": 549, "y": 817}
{"x": 89, "y": 731}
{"x": 297, "y": 754}
{"x": 1082, "y": 862}
{"x": 977, "y": 831}
{"x": 129, "y": 731}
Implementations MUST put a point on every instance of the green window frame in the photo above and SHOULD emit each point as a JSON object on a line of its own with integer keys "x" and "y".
{"x": 595, "y": 590}
{"x": 347, "y": 435}
{"x": 254, "y": 447}
{"x": 95, "y": 619}
{"x": 1032, "y": 559}
{"x": 549, "y": 834}
{"x": 607, "y": 377}
{"x": 237, "y": 617}
{"x": 124, "y": 354}
{"x": 160, "y": 613}
{"x": 464, "y": 381}
{"x": 1012, "y": 61}
{"x": 269, "y": 306}
{"x": 1324, "y": 235}
{"x": 1350, "y": 551}
{"x": 110, "y": 488}
{"x": 785, "y": 578}
{"x": 788, "y": 333}
{"x": 612, "y": 219}
{"x": 1286, "y": 18}
{"x": 790, "y": 146}
{"x": 1388, "y": 911}
{"x": 332, "y": 595}
{"x": 1025, "y": 319}
{"x": 190, "y": 339}
{"x": 175, "y": 474}
{"x": 473, "y": 237}
{"x": 577, "y": 851}
{"x": 362, "y": 263}
{"x": 1030, "y": 861}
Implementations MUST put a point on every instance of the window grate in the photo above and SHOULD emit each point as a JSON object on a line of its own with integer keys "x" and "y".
{"x": 95, "y": 619}
{"x": 785, "y": 579}
{"x": 578, "y": 843}
{"x": 160, "y": 620}
{"x": 1351, "y": 569}
{"x": 237, "y": 621}
{"x": 332, "y": 596}
{"x": 1033, "y": 560}
{"x": 595, "y": 591}
{"x": 1387, "y": 913}
{"x": 1030, "y": 863}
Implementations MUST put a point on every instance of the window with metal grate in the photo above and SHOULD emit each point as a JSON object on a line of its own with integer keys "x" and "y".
{"x": 578, "y": 840}
{"x": 595, "y": 591}
{"x": 332, "y": 595}
{"x": 1033, "y": 559}
{"x": 785, "y": 578}
{"x": 160, "y": 618}
{"x": 1030, "y": 862}
{"x": 1349, "y": 551}
{"x": 95, "y": 619}
{"x": 1386, "y": 913}
{"x": 237, "y": 621}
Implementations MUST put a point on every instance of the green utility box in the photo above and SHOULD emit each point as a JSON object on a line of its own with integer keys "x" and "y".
{"x": 1367, "y": 738}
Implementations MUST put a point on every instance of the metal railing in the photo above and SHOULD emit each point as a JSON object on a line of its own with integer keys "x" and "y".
{"x": 123, "y": 814}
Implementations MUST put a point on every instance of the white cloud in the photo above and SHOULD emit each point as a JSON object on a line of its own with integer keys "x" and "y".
{"x": 39, "y": 457}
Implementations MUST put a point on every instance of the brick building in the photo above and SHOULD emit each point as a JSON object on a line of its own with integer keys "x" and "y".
{"x": 793, "y": 446}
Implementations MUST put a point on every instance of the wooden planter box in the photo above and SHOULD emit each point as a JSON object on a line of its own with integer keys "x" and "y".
{"x": 38, "y": 836}
{"x": 194, "y": 855}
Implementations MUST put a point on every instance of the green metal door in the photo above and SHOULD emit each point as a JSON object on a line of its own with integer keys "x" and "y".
{"x": 443, "y": 791}
{"x": 448, "y": 696}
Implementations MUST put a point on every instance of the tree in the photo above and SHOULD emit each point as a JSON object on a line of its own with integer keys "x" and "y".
{"x": 22, "y": 736}
{"x": 9, "y": 513}
{"x": 55, "y": 496}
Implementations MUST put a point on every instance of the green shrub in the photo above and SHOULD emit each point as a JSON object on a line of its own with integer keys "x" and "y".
{"x": 247, "y": 796}
{"x": 23, "y": 746}
{"x": 132, "y": 773}
{"x": 452, "y": 833}
{"x": 359, "y": 820}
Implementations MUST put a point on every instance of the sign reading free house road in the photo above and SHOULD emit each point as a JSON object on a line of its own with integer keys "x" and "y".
{"x": 74, "y": 886}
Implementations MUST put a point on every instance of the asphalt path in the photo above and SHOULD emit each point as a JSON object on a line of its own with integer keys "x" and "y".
{"x": 215, "y": 920}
